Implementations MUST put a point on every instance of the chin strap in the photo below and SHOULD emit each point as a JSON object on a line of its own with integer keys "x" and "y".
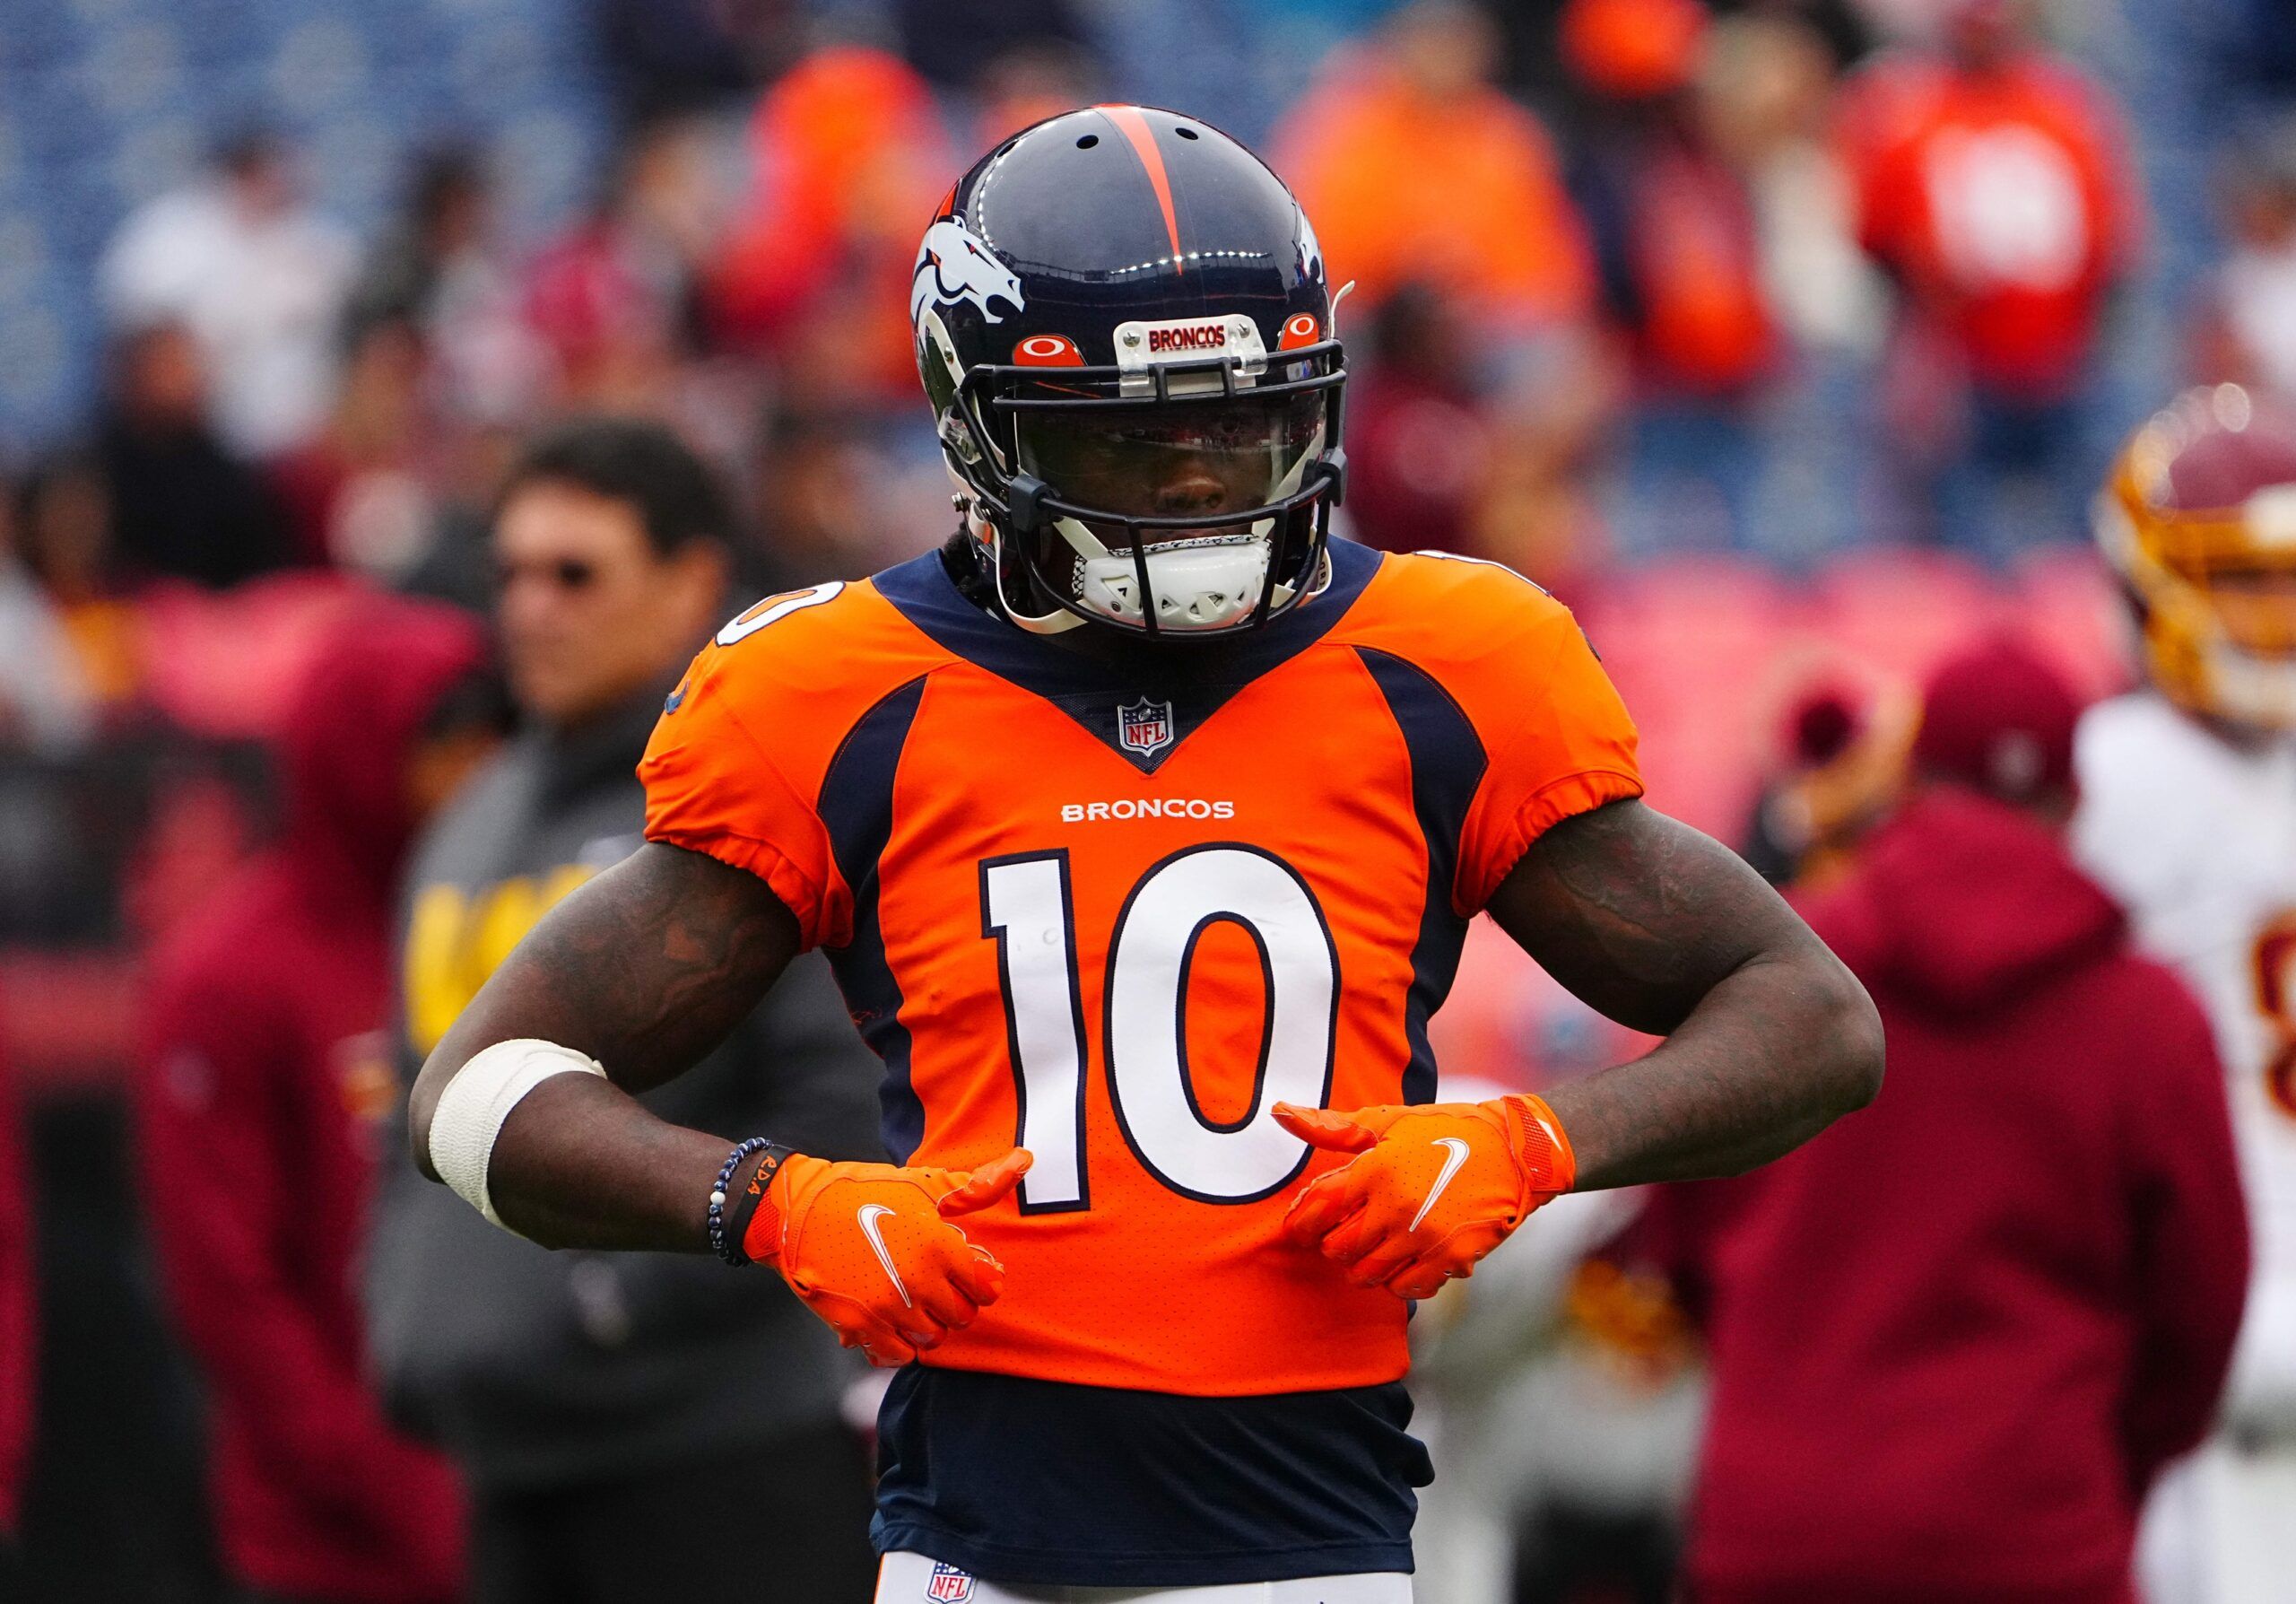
{"x": 961, "y": 559}
{"x": 980, "y": 581}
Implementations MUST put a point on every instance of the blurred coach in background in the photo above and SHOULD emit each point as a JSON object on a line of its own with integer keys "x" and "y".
{"x": 1956, "y": 1338}
{"x": 605, "y": 1409}
{"x": 263, "y": 1105}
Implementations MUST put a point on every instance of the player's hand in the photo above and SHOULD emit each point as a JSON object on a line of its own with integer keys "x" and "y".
{"x": 870, "y": 1248}
{"x": 1432, "y": 1190}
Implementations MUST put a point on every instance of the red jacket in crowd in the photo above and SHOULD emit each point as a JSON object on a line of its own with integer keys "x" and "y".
{"x": 2002, "y": 201}
{"x": 265, "y": 1106}
{"x": 18, "y": 1354}
{"x": 1955, "y": 1337}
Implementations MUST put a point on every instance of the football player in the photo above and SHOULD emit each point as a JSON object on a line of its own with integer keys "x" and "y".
{"x": 2188, "y": 815}
{"x": 1143, "y": 821}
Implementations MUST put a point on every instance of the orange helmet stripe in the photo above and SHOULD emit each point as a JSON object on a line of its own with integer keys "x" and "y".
{"x": 1135, "y": 127}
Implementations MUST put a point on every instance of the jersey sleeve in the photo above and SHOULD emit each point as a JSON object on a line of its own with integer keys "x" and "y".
{"x": 1550, "y": 737}
{"x": 711, "y": 785}
{"x": 1557, "y": 739}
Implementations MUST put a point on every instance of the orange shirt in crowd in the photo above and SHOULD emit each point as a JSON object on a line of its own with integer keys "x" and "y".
{"x": 107, "y": 644}
{"x": 1461, "y": 192}
{"x": 1693, "y": 248}
{"x": 2002, "y": 201}
{"x": 850, "y": 155}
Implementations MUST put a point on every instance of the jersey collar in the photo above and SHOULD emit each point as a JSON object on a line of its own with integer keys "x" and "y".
{"x": 1093, "y": 685}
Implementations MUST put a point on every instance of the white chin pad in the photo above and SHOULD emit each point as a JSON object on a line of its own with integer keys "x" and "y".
{"x": 1196, "y": 587}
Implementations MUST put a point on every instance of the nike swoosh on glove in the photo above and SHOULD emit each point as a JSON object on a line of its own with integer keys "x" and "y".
{"x": 1432, "y": 1189}
{"x": 870, "y": 1248}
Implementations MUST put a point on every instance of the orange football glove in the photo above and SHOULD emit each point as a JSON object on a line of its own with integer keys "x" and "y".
{"x": 1435, "y": 1188}
{"x": 869, "y": 1248}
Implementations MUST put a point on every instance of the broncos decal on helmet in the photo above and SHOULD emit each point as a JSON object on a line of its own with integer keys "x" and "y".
{"x": 952, "y": 266}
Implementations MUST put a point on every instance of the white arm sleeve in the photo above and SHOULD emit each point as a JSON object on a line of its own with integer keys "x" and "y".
{"x": 477, "y": 1101}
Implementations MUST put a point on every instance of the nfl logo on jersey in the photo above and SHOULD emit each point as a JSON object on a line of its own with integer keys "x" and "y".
{"x": 949, "y": 1585}
{"x": 1145, "y": 726}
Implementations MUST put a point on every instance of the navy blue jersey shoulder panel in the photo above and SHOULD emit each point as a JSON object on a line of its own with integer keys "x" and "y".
{"x": 1447, "y": 764}
{"x": 857, "y": 804}
{"x": 1089, "y": 682}
{"x": 1051, "y": 1484}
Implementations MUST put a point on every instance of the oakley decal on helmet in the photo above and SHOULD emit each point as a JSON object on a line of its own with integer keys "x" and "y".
{"x": 1125, "y": 331}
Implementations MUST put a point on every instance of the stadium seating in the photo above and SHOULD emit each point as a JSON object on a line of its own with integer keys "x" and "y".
{"x": 104, "y": 103}
{"x": 1706, "y": 649}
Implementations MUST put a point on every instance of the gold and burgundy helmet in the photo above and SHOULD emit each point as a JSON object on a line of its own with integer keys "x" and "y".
{"x": 2199, "y": 520}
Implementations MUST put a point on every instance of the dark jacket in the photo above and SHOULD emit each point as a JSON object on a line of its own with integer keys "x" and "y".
{"x": 1955, "y": 1337}
{"x": 265, "y": 1103}
{"x": 17, "y": 1348}
{"x": 182, "y": 506}
{"x": 538, "y": 1369}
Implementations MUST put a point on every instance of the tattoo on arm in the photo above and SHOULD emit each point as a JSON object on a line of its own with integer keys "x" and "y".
{"x": 646, "y": 969}
{"x": 651, "y": 964}
{"x": 1664, "y": 929}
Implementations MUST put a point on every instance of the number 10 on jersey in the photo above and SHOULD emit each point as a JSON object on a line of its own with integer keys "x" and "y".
{"x": 1028, "y": 908}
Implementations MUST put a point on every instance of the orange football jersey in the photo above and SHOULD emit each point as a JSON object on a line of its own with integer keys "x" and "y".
{"x": 1111, "y": 903}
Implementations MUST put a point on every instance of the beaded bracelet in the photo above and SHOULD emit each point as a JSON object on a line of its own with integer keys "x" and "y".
{"x": 728, "y": 1250}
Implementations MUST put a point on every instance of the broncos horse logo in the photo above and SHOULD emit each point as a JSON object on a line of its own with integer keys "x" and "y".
{"x": 952, "y": 265}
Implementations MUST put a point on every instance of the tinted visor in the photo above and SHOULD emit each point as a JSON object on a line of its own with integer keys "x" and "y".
{"x": 1213, "y": 459}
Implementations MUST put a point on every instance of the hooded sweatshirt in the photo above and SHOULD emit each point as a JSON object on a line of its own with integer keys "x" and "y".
{"x": 1956, "y": 1337}
{"x": 265, "y": 1102}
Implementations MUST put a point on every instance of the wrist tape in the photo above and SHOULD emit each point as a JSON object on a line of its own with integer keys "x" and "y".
{"x": 471, "y": 1111}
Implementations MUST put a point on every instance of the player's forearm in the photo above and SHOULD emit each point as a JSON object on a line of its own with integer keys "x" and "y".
{"x": 1769, "y": 1038}
{"x": 639, "y": 973}
{"x": 581, "y": 1163}
{"x": 1774, "y": 1053}
{"x": 577, "y": 1162}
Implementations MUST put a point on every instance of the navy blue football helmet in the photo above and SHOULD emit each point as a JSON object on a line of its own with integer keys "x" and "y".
{"x": 1124, "y": 328}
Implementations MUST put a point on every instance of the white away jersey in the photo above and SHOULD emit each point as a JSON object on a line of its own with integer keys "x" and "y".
{"x": 2196, "y": 838}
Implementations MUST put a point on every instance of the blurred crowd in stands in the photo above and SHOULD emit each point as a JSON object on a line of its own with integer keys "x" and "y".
{"x": 1785, "y": 339}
